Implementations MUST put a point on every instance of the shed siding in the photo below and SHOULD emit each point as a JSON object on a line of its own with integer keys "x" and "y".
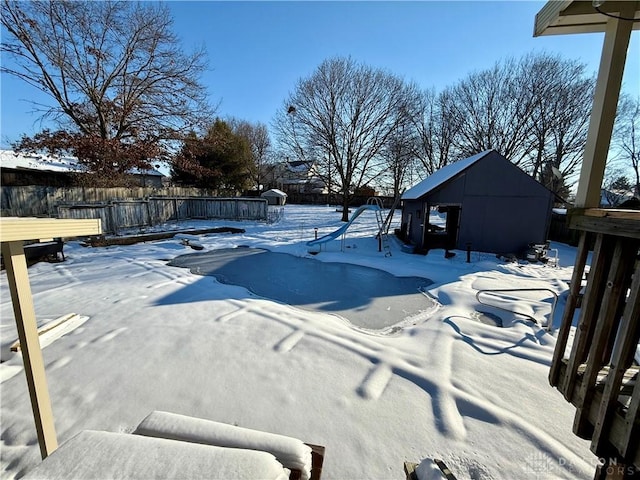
{"x": 499, "y": 225}
{"x": 452, "y": 192}
{"x": 494, "y": 175}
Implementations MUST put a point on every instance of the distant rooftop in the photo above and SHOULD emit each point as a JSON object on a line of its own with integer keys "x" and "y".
{"x": 53, "y": 163}
{"x": 299, "y": 166}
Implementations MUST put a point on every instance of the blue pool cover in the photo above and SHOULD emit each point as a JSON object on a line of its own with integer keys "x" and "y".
{"x": 367, "y": 297}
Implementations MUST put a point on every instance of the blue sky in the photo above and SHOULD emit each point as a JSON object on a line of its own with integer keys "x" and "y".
{"x": 257, "y": 51}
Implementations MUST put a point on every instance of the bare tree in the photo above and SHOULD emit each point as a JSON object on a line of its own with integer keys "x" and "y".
{"x": 534, "y": 111}
{"x": 399, "y": 152}
{"x": 399, "y": 158}
{"x": 341, "y": 117}
{"x": 491, "y": 110}
{"x": 115, "y": 73}
{"x": 562, "y": 94}
{"x": 258, "y": 137}
{"x": 436, "y": 128}
{"x": 627, "y": 137}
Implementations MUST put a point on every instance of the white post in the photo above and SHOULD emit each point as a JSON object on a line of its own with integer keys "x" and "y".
{"x": 605, "y": 103}
{"x": 16, "y": 264}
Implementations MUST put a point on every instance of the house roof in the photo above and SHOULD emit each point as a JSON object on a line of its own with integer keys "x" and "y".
{"x": 441, "y": 176}
{"x": 34, "y": 161}
{"x": 54, "y": 163}
{"x": 568, "y": 16}
{"x": 299, "y": 166}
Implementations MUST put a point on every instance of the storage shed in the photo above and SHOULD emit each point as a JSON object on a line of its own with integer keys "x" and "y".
{"x": 483, "y": 201}
{"x": 275, "y": 196}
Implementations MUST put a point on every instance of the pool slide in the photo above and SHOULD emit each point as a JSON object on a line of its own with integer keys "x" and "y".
{"x": 343, "y": 228}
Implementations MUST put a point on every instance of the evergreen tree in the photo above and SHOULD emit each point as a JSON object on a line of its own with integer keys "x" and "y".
{"x": 221, "y": 160}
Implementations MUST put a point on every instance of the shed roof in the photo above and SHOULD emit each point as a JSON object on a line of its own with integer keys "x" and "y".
{"x": 441, "y": 176}
{"x": 274, "y": 192}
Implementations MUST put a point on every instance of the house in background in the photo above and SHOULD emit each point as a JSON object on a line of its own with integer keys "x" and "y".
{"x": 483, "y": 202}
{"x": 21, "y": 169}
{"x": 18, "y": 169}
{"x": 615, "y": 198}
{"x": 275, "y": 196}
{"x": 295, "y": 177}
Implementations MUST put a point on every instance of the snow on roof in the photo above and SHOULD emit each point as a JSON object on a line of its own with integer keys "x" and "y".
{"x": 34, "y": 161}
{"x": 274, "y": 192}
{"x": 147, "y": 171}
{"x": 295, "y": 181}
{"x": 441, "y": 176}
{"x": 53, "y": 163}
{"x": 614, "y": 197}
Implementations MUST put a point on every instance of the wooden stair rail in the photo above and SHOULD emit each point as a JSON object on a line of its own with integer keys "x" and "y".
{"x": 599, "y": 376}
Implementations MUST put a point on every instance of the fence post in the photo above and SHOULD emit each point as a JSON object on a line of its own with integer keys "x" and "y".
{"x": 113, "y": 216}
{"x": 48, "y": 201}
{"x": 149, "y": 222}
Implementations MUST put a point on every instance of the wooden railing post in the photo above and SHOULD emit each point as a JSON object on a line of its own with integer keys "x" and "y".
{"x": 600, "y": 377}
{"x": 606, "y": 323}
{"x": 17, "y": 276}
{"x": 621, "y": 359}
{"x": 588, "y": 313}
{"x": 570, "y": 308}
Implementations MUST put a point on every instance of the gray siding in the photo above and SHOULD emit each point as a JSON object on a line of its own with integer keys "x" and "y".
{"x": 503, "y": 225}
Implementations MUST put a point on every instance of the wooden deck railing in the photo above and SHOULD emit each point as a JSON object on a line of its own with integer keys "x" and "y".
{"x": 597, "y": 372}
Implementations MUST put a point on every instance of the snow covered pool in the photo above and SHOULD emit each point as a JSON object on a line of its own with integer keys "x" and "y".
{"x": 367, "y": 297}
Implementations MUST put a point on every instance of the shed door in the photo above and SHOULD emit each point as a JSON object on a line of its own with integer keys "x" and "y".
{"x": 442, "y": 227}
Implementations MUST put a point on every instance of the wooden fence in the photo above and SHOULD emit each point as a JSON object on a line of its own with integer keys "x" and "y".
{"x": 559, "y": 230}
{"x": 38, "y": 200}
{"x": 119, "y": 208}
{"x": 123, "y": 214}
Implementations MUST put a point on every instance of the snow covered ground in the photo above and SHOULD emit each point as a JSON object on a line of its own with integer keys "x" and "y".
{"x": 162, "y": 338}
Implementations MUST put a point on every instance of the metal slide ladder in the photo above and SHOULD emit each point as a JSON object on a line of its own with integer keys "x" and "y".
{"x": 387, "y": 221}
{"x": 382, "y": 233}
